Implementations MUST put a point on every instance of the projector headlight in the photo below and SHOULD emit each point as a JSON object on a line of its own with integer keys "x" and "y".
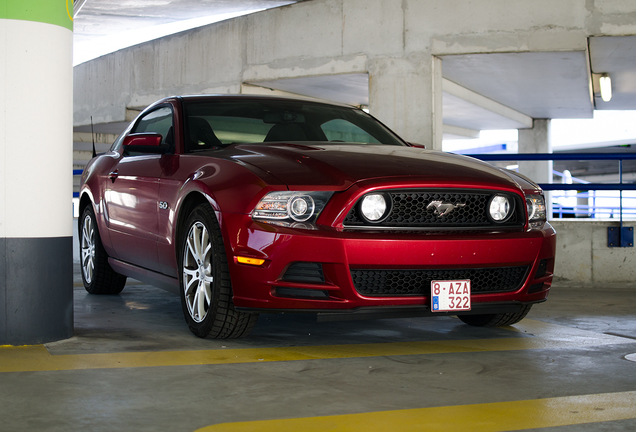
{"x": 291, "y": 206}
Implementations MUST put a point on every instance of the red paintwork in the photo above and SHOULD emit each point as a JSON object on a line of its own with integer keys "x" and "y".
{"x": 125, "y": 192}
{"x": 150, "y": 140}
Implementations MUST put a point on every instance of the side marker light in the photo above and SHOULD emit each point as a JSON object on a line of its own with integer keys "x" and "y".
{"x": 250, "y": 261}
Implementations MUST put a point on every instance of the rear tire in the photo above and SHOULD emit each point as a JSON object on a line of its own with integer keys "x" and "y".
{"x": 206, "y": 288}
{"x": 495, "y": 320}
{"x": 97, "y": 275}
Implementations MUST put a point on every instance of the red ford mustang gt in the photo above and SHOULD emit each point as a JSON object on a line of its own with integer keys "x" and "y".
{"x": 252, "y": 204}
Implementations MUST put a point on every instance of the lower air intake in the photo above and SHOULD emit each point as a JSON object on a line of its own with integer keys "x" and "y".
{"x": 377, "y": 283}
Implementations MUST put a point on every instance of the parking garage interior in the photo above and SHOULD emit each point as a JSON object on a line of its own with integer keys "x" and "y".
{"x": 434, "y": 71}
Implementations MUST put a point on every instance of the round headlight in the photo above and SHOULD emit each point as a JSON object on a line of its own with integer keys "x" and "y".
{"x": 374, "y": 207}
{"x": 301, "y": 208}
{"x": 500, "y": 208}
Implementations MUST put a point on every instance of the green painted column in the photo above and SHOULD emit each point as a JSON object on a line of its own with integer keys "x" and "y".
{"x": 36, "y": 148}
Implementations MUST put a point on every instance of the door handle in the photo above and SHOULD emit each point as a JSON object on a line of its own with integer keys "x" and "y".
{"x": 113, "y": 175}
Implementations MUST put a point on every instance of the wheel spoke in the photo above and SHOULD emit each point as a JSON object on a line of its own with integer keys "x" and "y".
{"x": 191, "y": 253}
{"x": 189, "y": 272}
{"x": 207, "y": 250}
{"x": 205, "y": 243}
{"x": 197, "y": 243}
{"x": 201, "y": 295}
{"x": 188, "y": 288}
{"x": 205, "y": 287}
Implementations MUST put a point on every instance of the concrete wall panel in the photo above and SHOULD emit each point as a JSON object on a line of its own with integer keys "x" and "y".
{"x": 611, "y": 263}
{"x": 584, "y": 257}
{"x": 299, "y": 68}
{"x": 374, "y": 28}
{"x": 307, "y": 30}
{"x": 460, "y": 26}
{"x": 446, "y": 17}
{"x": 209, "y": 59}
{"x": 613, "y": 18}
{"x": 574, "y": 250}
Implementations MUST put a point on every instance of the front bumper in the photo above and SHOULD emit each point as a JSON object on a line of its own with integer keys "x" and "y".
{"x": 268, "y": 287}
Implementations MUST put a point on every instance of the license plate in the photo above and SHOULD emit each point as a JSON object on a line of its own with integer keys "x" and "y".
{"x": 450, "y": 295}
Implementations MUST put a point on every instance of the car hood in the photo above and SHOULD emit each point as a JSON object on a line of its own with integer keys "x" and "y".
{"x": 341, "y": 165}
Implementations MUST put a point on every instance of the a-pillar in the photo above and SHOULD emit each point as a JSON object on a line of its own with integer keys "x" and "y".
{"x": 406, "y": 95}
{"x": 36, "y": 136}
{"x": 537, "y": 140}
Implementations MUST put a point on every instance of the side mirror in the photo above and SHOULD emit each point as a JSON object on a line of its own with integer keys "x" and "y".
{"x": 422, "y": 146}
{"x": 149, "y": 143}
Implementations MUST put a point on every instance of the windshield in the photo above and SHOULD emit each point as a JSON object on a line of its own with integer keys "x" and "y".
{"x": 220, "y": 123}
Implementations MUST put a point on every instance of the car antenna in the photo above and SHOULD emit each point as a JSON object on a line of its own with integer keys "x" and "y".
{"x": 93, "y": 136}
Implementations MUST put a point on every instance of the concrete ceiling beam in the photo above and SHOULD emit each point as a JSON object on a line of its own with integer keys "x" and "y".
{"x": 486, "y": 103}
{"x": 460, "y": 131}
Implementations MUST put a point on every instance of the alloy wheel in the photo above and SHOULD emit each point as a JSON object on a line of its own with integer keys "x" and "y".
{"x": 197, "y": 271}
{"x": 88, "y": 249}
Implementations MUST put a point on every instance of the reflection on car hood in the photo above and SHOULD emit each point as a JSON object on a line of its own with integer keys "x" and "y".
{"x": 341, "y": 165}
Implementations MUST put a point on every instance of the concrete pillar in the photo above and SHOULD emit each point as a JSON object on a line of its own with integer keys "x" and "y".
{"x": 36, "y": 147}
{"x": 537, "y": 140}
{"x": 401, "y": 95}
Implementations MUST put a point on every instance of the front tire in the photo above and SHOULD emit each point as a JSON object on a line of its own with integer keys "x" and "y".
{"x": 496, "y": 320}
{"x": 206, "y": 289}
{"x": 97, "y": 275}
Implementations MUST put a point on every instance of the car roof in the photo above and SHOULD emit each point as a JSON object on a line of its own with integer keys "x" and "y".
{"x": 211, "y": 97}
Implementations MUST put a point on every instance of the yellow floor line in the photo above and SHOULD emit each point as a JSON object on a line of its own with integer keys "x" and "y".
{"x": 546, "y": 336}
{"x": 489, "y": 417}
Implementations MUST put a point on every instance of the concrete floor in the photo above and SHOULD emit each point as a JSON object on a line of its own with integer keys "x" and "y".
{"x": 134, "y": 366}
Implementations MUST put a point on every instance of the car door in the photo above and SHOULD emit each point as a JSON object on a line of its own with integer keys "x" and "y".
{"x": 131, "y": 196}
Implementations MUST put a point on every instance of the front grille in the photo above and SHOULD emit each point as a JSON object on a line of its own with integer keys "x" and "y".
{"x": 411, "y": 209}
{"x": 377, "y": 283}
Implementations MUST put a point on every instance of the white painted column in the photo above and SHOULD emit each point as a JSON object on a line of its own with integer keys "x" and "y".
{"x": 36, "y": 136}
{"x": 537, "y": 140}
{"x": 401, "y": 95}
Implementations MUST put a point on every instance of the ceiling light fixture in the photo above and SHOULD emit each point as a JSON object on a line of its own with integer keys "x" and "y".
{"x": 606, "y": 87}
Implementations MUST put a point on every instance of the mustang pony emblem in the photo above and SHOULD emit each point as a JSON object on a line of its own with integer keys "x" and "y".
{"x": 442, "y": 208}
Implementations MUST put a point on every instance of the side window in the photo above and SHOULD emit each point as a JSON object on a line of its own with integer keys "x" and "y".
{"x": 159, "y": 121}
{"x": 342, "y": 130}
